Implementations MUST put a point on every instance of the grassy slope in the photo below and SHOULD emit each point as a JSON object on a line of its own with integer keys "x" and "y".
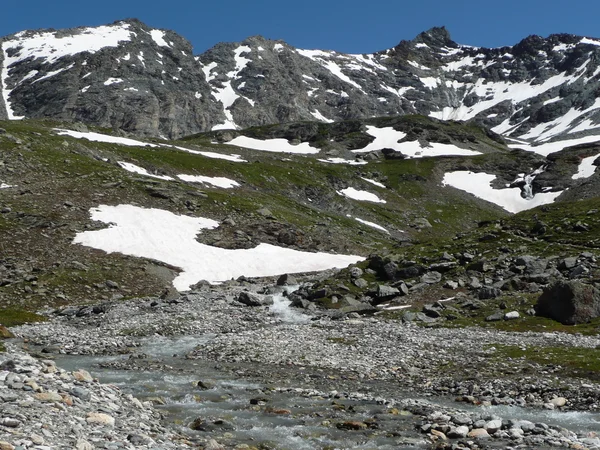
{"x": 59, "y": 178}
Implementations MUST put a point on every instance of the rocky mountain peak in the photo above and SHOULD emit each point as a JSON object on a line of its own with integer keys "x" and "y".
{"x": 436, "y": 37}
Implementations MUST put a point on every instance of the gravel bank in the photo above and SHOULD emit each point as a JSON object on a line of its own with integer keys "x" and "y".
{"x": 362, "y": 358}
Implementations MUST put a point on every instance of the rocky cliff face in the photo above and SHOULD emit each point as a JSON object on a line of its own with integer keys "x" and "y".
{"x": 147, "y": 81}
{"x": 124, "y": 75}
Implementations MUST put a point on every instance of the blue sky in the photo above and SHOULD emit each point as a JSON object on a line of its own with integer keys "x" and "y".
{"x": 348, "y": 26}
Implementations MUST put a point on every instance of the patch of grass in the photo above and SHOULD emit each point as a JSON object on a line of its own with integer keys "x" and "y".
{"x": 571, "y": 223}
{"x": 521, "y": 303}
{"x": 578, "y": 362}
{"x": 13, "y": 317}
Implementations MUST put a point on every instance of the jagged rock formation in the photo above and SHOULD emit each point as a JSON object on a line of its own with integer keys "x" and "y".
{"x": 147, "y": 81}
{"x": 124, "y": 75}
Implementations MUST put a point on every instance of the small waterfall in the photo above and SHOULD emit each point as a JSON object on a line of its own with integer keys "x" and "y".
{"x": 281, "y": 307}
{"x": 527, "y": 188}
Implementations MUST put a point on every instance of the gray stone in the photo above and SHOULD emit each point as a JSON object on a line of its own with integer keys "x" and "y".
{"x": 265, "y": 212}
{"x": 578, "y": 271}
{"x": 81, "y": 393}
{"x": 567, "y": 263}
{"x": 451, "y": 285}
{"x": 461, "y": 419}
{"x": 360, "y": 283}
{"x": 493, "y": 426}
{"x": 356, "y": 272}
{"x": 250, "y": 299}
{"x": 430, "y": 311}
{"x": 10, "y": 422}
{"x": 402, "y": 288}
{"x": 458, "y": 432}
{"x": 385, "y": 292}
{"x": 569, "y": 302}
{"x": 390, "y": 270}
{"x": 421, "y": 222}
{"x": 431, "y": 278}
{"x": 410, "y": 272}
{"x": 474, "y": 283}
{"x": 511, "y": 315}
{"x": 287, "y": 280}
{"x": 495, "y": 317}
{"x": 533, "y": 265}
{"x": 489, "y": 293}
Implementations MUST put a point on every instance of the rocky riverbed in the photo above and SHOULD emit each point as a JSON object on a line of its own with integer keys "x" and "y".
{"x": 204, "y": 370}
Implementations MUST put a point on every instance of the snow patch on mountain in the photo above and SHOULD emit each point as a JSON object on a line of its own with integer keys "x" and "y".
{"x": 357, "y": 194}
{"x": 388, "y": 138}
{"x": 213, "y": 155}
{"x": 5, "y": 89}
{"x": 48, "y": 75}
{"x": 326, "y": 59}
{"x": 586, "y": 168}
{"x": 97, "y": 137}
{"x": 170, "y": 238}
{"x": 373, "y": 182}
{"x": 130, "y": 167}
{"x": 570, "y": 122}
{"x": 494, "y": 93}
{"x": 227, "y": 94}
{"x": 372, "y": 225}
{"x": 590, "y": 41}
{"x": 337, "y": 160}
{"x": 273, "y": 145}
{"x": 479, "y": 185}
{"x": 221, "y": 182}
{"x": 546, "y": 148}
{"x": 158, "y": 36}
{"x": 320, "y": 117}
{"x": 50, "y": 46}
{"x": 384, "y": 138}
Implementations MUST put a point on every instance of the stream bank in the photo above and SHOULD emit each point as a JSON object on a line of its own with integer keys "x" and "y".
{"x": 270, "y": 377}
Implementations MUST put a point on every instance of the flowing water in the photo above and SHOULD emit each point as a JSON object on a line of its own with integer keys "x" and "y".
{"x": 236, "y": 409}
{"x": 287, "y": 420}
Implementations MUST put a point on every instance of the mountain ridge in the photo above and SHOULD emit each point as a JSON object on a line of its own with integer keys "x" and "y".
{"x": 549, "y": 83}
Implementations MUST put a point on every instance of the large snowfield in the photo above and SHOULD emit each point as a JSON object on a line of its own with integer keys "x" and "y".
{"x": 479, "y": 184}
{"x": 273, "y": 145}
{"x": 388, "y": 138}
{"x": 163, "y": 236}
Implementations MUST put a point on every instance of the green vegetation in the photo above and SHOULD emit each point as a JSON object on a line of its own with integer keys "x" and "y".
{"x": 13, "y": 317}
{"x": 578, "y": 362}
{"x": 63, "y": 177}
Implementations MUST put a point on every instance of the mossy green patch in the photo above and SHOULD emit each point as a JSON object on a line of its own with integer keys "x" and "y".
{"x": 580, "y": 362}
{"x": 13, "y": 317}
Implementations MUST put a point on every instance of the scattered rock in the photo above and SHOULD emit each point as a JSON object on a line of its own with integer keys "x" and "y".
{"x": 431, "y": 277}
{"x": 511, "y": 315}
{"x": 100, "y": 419}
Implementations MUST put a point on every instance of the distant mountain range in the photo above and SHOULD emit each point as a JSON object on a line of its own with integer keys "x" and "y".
{"x": 147, "y": 81}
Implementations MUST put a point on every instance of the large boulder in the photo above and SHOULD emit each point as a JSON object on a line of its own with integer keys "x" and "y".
{"x": 532, "y": 264}
{"x": 251, "y": 299}
{"x": 569, "y": 302}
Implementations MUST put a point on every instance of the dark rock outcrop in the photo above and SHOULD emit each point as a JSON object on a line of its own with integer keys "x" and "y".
{"x": 569, "y": 302}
